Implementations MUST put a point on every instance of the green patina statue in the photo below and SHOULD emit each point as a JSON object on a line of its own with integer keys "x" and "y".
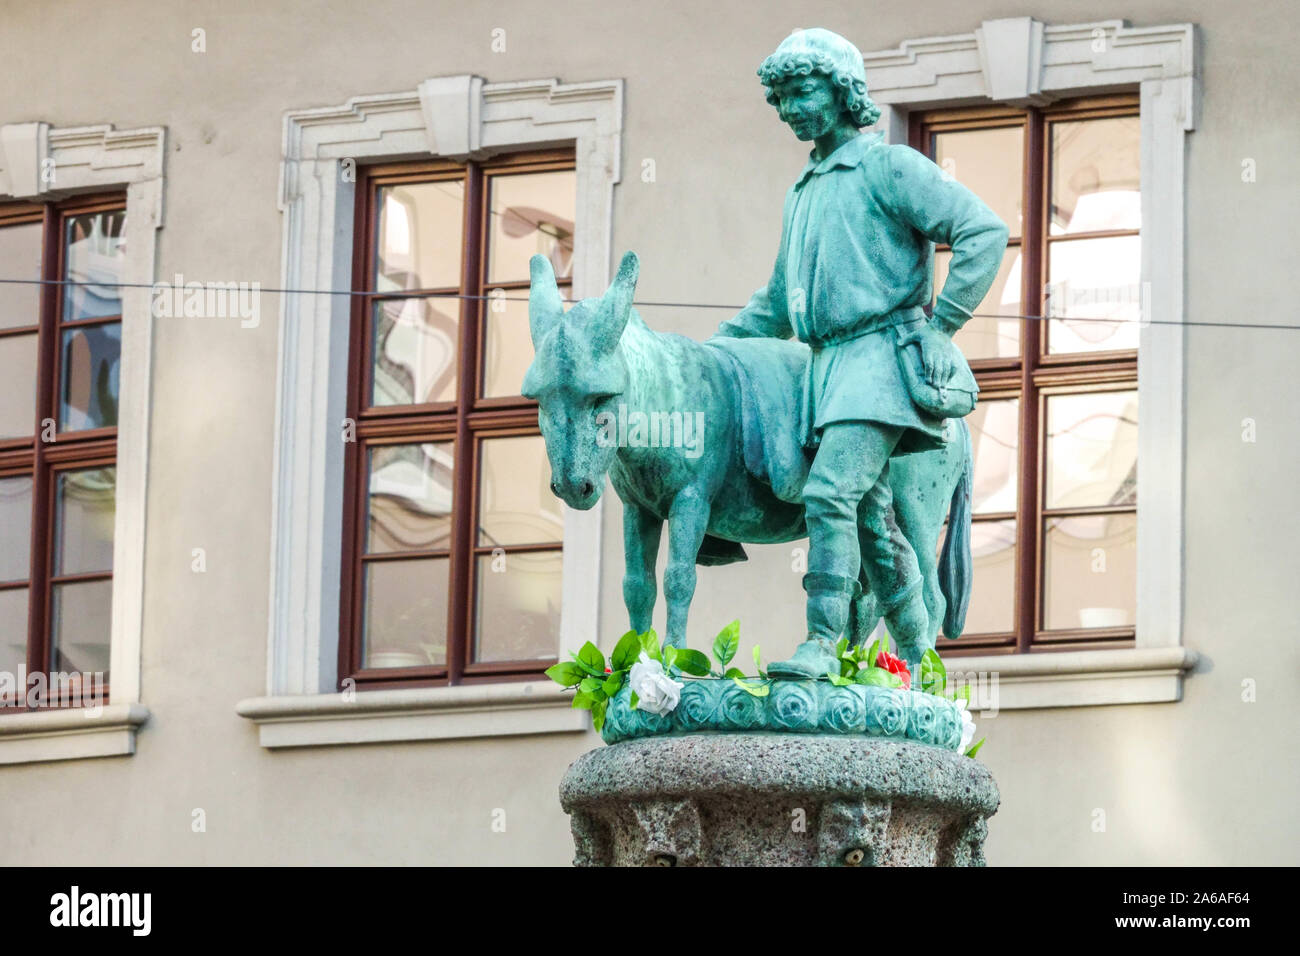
{"x": 853, "y": 436}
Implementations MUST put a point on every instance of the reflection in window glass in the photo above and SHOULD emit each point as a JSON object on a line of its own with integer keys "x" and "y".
{"x": 15, "y": 528}
{"x": 988, "y": 162}
{"x": 96, "y": 249}
{"x": 530, "y": 213}
{"x": 1096, "y": 175}
{"x": 85, "y": 509}
{"x": 406, "y": 613}
{"x": 515, "y": 501}
{"x": 1094, "y": 294}
{"x": 985, "y": 335}
{"x": 1090, "y": 571}
{"x": 414, "y": 343}
{"x": 89, "y": 371}
{"x": 410, "y": 498}
{"x": 18, "y": 396}
{"x": 13, "y": 630}
{"x": 82, "y": 621}
{"x": 1092, "y": 449}
{"x": 508, "y": 348}
{"x": 20, "y": 256}
{"x": 995, "y": 443}
{"x": 419, "y": 236}
{"x": 518, "y": 611}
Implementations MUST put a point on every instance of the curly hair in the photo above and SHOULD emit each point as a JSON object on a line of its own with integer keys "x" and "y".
{"x": 852, "y": 90}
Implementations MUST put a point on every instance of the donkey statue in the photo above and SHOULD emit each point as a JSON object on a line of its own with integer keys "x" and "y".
{"x": 737, "y": 481}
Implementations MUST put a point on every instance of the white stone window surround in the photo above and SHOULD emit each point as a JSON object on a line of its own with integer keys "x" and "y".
{"x": 1021, "y": 61}
{"x": 456, "y": 117}
{"x": 87, "y": 159}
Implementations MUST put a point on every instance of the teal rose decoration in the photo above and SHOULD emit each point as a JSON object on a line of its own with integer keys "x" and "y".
{"x": 739, "y": 709}
{"x": 947, "y": 725}
{"x": 885, "y": 715}
{"x": 921, "y": 718}
{"x": 794, "y": 707}
{"x": 699, "y": 702}
{"x": 844, "y": 711}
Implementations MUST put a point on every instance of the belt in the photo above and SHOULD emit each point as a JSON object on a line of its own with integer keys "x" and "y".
{"x": 866, "y": 326}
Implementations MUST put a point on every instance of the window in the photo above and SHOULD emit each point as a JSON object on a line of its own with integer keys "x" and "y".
{"x": 1054, "y": 347}
{"x": 452, "y": 541}
{"x": 60, "y": 351}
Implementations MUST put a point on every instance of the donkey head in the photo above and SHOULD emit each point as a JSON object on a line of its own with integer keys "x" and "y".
{"x": 577, "y": 374}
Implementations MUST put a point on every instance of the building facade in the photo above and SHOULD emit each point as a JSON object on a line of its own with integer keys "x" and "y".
{"x": 269, "y": 487}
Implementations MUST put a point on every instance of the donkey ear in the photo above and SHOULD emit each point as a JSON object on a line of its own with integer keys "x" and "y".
{"x": 545, "y": 308}
{"x": 616, "y": 305}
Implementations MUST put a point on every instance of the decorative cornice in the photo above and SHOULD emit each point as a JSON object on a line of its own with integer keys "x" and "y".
{"x": 39, "y": 160}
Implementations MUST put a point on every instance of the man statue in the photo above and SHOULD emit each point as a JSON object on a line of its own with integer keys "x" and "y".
{"x": 852, "y": 279}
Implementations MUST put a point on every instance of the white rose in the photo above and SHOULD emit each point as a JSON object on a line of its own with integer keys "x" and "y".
{"x": 967, "y": 726}
{"x": 656, "y": 692}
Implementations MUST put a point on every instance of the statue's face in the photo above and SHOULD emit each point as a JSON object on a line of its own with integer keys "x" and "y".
{"x": 809, "y": 105}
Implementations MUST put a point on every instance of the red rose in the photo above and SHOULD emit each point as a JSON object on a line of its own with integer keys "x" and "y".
{"x": 608, "y": 670}
{"x": 895, "y": 666}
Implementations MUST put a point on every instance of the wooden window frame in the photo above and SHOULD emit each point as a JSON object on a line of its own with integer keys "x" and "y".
{"x": 1035, "y": 374}
{"x": 70, "y": 450}
{"x": 466, "y": 422}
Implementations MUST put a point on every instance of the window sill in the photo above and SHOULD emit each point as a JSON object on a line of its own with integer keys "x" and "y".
{"x": 433, "y": 713}
{"x": 1140, "y": 675}
{"x": 38, "y": 736}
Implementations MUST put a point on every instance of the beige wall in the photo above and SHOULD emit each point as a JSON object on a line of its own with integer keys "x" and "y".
{"x": 1207, "y": 780}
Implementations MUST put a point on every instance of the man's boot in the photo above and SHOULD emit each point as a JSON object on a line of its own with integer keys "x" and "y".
{"x": 829, "y": 596}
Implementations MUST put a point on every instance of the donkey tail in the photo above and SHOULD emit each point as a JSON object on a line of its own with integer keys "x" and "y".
{"x": 956, "y": 567}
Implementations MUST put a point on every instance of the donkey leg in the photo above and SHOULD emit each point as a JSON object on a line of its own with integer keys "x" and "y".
{"x": 687, "y": 520}
{"x": 641, "y": 533}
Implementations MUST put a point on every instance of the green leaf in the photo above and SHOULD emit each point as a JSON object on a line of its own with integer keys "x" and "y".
{"x": 873, "y": 652}
{"x": 591, "y": 660}
{"x": 692, "y": 662}
{"x": 758, "y": 690}
{"x": 878, "y": 677}
{"x": 625, "y": 652}
{"x": 758, "y": 663}
{"x": 838, "y": 680}
{"x": 598, "y": 715}
{"x": 841, "y": 646}
{"x": 590, "y": 685}
{"x": 670, "y": 656}
{"x": 566, "y": 673}
{"x": 613, "y": 683}
{"x": 632, "y": 701}
{"x": 934, "y": 676}
{"x": 727, "y": 643}
{"x": 734, "y": 672}
{"x": 583, "y": 701}
{"x": 975, "y": 747}
{"x": 650, "y": 644}
{"x": 964, "y": 693}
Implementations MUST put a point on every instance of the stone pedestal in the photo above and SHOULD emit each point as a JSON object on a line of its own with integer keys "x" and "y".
{"x": 777, "y": 799}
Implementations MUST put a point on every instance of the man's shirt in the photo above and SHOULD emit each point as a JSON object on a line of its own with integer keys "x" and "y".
{"x": 856, "y": 246}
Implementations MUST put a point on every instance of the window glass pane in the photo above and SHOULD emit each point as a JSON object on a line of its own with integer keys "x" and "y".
{"x": 518, "y": 609}
{"x": 515, "y": 501}
{"x": 85, "y": 508}
{"x": 990, "y": 163}
{"x": 414, "y": 346}
{"x": 1096, "y": 175}
{"x": 89, "y": 369}
{"x": 18, "y": 396}
{"x": 20, "y": 258}
{"x": 1092, "y": 449}
{"x": 530, "y": 213}
{"x": 406, "y": 613}
{"x": 995, "y": 441}
{"x": 410, "y": 496}
{"x": 985, "y": 336}
{"x": 508, "y": 348}
{"x": 993, "y": 591}
{"x": 420, "y": 236}
{"x": 15, "y": 528}
{"x": 81, "y": 615}
{"x": 13, "y": 630}
{"x": 96, "y": 249}
{"x": 1090, "y": 571}
{"x": 1094, "y": 294}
